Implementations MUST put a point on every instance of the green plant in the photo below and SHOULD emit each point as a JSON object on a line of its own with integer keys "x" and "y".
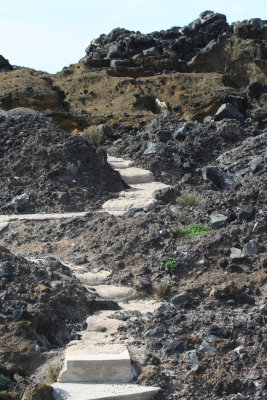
{"x": 153, "y": 94}
{"x": 161, "y": 289}
{"x": 171, "y": 265}
{"x": 53, "y": 372}
{"x": 94, "y": 135}
{"x": 197, "y": 230}
{"x": 2, "y": 384}
{"x": 190, "y": 230}
{"x": 189, "y": 200}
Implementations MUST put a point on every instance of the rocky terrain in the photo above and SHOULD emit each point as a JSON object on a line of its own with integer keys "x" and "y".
{"x": 188, "y": 104}
{"x": 46, "y": 169}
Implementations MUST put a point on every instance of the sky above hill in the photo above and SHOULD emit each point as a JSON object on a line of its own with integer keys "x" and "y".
{"x": 50, "y": 34}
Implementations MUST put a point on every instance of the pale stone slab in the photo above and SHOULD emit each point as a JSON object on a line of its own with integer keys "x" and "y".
{"x": 37, "y": 217}
{"x": 136, "y": 175}
{"x": 119, "y": 163}
{"x": 98, "y": 364}
{"x": 84, "y": 391}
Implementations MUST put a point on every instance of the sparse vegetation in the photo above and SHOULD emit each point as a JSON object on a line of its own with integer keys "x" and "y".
{"x": 53, "y": 372}
{"x": 190, "y": 230}
{"x": 178, "y": 231}
{"x": 183, "y": 218}
{"x": 197, "y": 230}
{"x": 189, "y": 200}
{"x": 94, "y": 135}
{"x": 171, "y": 265}
{"x": 161, "y": 289}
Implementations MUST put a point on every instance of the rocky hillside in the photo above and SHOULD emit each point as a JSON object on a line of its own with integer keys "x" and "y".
{"x": 193, "y": 69}
{"x": 190, "y": 105}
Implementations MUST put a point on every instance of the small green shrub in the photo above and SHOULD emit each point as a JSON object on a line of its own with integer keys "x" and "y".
{"x": 197, "y": 230}
{"x": 190, "y": 230}
{"x": 171, "y": 265}
{"x": 189, "y": 200}
{"x": 2, "y": 384}
{"x": 53, "y": 372}
{"x": 94, "y": 135}
{"x": 153, "y": 94}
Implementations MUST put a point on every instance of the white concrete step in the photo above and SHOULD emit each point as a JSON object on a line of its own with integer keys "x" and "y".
{"x": 134, "y": 175}
{"x": 141, "y": 195}
{"x": 119, "y": 163}
{"x": 142, "y": 191}
{"x": 85, "y": 391}
{"x": 98, "y": 364}
{"x": 37, "y": 217}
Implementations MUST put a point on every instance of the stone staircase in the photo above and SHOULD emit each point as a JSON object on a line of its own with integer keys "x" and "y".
{"x": 95, "y": 367}
{"x": 101, "y": 372}
{"x": 141, "y": 193}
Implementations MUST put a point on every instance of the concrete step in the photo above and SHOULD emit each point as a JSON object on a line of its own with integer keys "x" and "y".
{"x": 40, "y": 217}
{"x": 141, "y": 195}
{"x": 85, "y": 391}
{"x": 97, "y": 364}
{"x": 134, "y": 175}
{"x": 119, "y": 163}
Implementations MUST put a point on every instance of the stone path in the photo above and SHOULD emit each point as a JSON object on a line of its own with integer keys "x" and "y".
{"x": 141, "y": 193}
{"x": 97, "y": 368}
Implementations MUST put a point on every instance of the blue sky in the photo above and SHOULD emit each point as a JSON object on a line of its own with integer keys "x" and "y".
{"x": 51, "y": 34}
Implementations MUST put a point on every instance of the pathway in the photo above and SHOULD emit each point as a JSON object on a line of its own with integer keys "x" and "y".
{"x": 96, "y": 367}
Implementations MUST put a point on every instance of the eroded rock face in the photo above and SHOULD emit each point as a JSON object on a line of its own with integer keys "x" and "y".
{"x": 184, "y": 42}
{"x": 45, "y": 168}
{"x": 242, "y": 55}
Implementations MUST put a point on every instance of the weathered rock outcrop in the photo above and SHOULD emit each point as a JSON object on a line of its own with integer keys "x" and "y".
{"x": 242, "y": 55}
{"x": 185, "y": 42}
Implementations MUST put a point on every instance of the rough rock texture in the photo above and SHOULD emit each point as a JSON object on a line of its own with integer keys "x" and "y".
{"x": 56, "y": 170}
{"x": 243, "y": 55}
{"x": 4, "y": 65}
{"x": 235, "y": 151}
{"x": 185, "y": 42}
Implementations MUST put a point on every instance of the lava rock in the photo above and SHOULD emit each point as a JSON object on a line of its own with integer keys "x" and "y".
{"x": 228, "y": 111}
{"x": 181, "y": 298}
{"x": 218, "y": 220}
{"x": 154, "y": 148}
{"x": 120, "y": 63}
{"x": 167, "y": 195}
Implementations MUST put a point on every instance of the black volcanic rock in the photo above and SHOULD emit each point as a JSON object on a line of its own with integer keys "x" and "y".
{"x": 4, "y": 65}
{"x": 185, "y": 42}
{"x": 46, "y": 168}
